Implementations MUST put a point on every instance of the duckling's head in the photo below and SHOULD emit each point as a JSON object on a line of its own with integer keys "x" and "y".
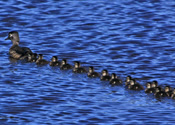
{"x": 113, "y": 76}
{"x": 13, "y": 36}
{"x": 77, "y": 64}
{"x": 104, "y": 72}
{"x": 167, "y": 88}
{"x": 158, "y": 89}
{"x": 63, "y": 62}
{"x": 54, "y": 59}
{"x": 40, "y": 56}
{"x": 128, "y": 78}
{"x": 91, "y": 69}
{"x": 132, "y": 82}
{"x": 148, "y": 85}
{"x": 154, "y": 84}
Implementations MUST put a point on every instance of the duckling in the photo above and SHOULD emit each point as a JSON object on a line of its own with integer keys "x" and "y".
{"x": 149, "y": 89}
{"x": 78, "y": 69}
{"x": 41, "y": 61}
{"x": 65, "y": 65}
{"x": 105, "y": 76}
{"x": 114, "y": 80}
{"x": 54, "y": 61}
{"x": 32, "y": 57}
{"x": 128, "y": 80}
{"x": 154, "y": 84}
{"x": 168, "y": 91}
{"x": 16, "y": 51}
{"x": 135, "y": 86}
{"x": 173, "y": 94}
{"x": 159, "y": 93}
{"x": 92, "y": 73}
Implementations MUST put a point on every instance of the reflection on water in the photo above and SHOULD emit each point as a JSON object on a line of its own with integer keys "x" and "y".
{"x": 129, "y": 38}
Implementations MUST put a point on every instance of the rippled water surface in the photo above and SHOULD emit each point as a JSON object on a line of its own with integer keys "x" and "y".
{"x": 128, "y": 37}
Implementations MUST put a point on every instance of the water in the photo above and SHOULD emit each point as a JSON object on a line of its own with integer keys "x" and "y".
{"x": 126, "y": 37}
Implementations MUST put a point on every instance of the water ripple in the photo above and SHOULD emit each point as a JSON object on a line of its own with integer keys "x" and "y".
{"x": 126, "y": 37}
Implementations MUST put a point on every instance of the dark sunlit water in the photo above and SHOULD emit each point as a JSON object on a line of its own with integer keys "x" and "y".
{"x": 127, "y": 37}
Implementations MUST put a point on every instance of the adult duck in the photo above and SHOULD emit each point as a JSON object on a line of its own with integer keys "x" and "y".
{"x": 15, "y": 50}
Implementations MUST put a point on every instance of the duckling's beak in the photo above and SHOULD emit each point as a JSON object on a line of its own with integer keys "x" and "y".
{"x": 8, "y": 38}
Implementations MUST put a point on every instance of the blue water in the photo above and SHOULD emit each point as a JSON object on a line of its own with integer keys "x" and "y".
{"x": 128, "y": 37}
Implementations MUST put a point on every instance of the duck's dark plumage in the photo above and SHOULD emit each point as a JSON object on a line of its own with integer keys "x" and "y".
{"x": 135, "y": 86}
{"x": 32, "y": 57}
{"x": 114, "y": 80}
{"x": 128, "y": 79}
{"x": 154, "y": 84}
{"x": 168, "y": 91}
{"x": 92, "y": 73}
{"x": 54, "y": 61}
{"x": 148, "y": 88}
{"x": 41, "y": 61}
{"x": 65, "y": 65}
{"x": 105, "y": 76}
{"x": 159, "y": 93}
{"x": 78, "y": 69}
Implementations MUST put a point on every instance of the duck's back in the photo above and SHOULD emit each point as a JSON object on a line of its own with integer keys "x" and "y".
{"x": 105, "y": 78}
{"x": 65, "y": 67}
{"x": 116, "y": 82}
{"x": 26, "y": 50}
{"x": 160, "y": 94}
{"x": 135, "y": 87}
{"x": 93, "y": 75}
{"x": 42, "y": 62}
{"x": 150, "y": 90}
{"x": 79, "y": 70}
{"x": 19, "y": 52}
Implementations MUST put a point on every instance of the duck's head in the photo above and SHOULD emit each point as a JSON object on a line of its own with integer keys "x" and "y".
{"x": 154, "y": 84}
{"x": 76, "y": 64}
{"x": 148, "y": 85}
{"x": 40, "y": 56}
{"x": 13, "y": 36}
{"x": 158, "y": 89}
{"x": 132, "y": 82}
{"x": 91, "y": 69}
{"x": 113, "y": 76}
{"x": 54, "y": 59}
{"x": 63, "y": 62}
{"x": 104, "y": 72}
{"x": 128, "y": 78}
{"x": 167, "y": 88}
